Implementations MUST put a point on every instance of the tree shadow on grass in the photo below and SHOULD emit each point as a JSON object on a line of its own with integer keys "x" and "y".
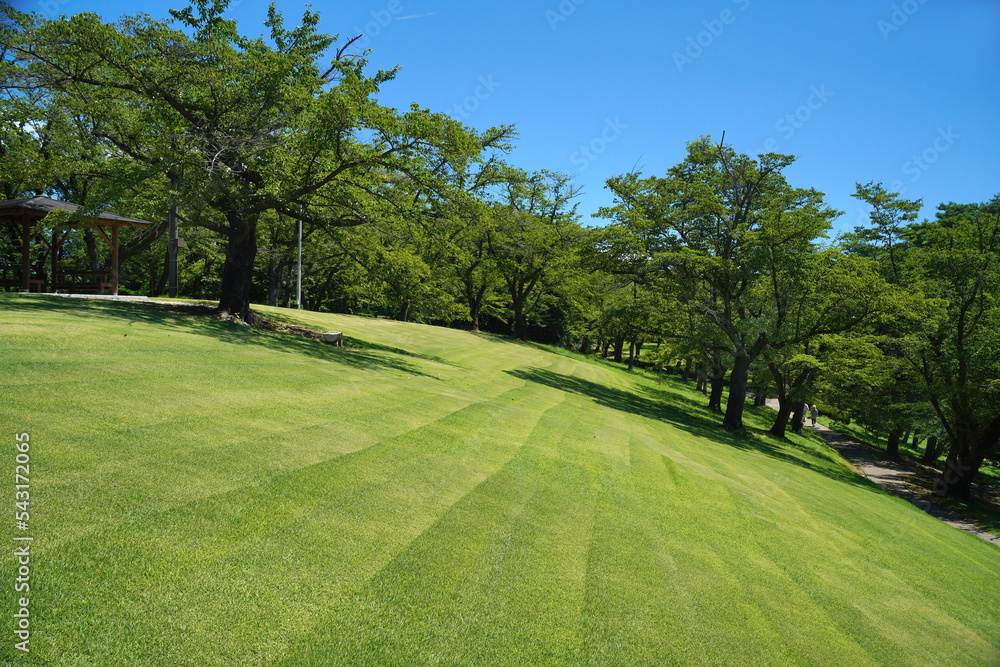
{"x": 679, "y": 412}
{"x": 616, "y": 399}
{"x": 358, "y": 344}
{"x": 198, "y": 319}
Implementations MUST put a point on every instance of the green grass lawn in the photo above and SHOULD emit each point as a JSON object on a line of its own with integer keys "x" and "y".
{"x": 207, "y": 494}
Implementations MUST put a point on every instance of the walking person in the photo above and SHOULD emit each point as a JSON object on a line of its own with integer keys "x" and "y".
{"x": 799, "y": 418}
{"x": 814, "y": 414}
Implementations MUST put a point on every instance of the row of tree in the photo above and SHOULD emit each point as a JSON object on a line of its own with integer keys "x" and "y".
{"x": 720, "y": 263}
{"x": 896, "y": 324}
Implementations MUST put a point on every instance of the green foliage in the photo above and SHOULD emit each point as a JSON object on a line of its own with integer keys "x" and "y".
{"x": 533, "y": 241}
{"x": 244, "y": 126}
{"x": 833, "y": 412}
{"x": 739, "y": 248}
{"x": 888, "y": 217}
{"x": 956, "y": 347}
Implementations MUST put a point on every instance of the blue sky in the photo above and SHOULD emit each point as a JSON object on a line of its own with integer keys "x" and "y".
{"x": 902, "y": 91}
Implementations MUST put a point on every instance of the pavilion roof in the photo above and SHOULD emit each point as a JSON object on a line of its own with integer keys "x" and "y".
{"x": 40, "y": 206}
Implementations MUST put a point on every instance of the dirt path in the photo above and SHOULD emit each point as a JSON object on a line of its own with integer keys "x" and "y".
{"x": 886, "y": 473}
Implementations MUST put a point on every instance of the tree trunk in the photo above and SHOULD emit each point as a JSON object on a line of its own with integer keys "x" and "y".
{"x": 716, "y": 380}
{"x": 786, "y": 404}
{"x": 286, "y": 293}
{"x": 274, "y": 280}
{"x": 631, "y": 355}
{"x": 892, "y": 448}
{"x": 964, "y": 461}
{"x": 275, "y": 276}
{"x": 160, "y": 286}
{"x": 791, "y": 392}
{"x": 798, "y": 415}
{"x": 702, "y": 384}
{"x": 237, "y": 273}
{"x": 638, "y": 348}
{"x": 959, "y": 473}
{"x": 475, "y": 299}
{"x": 607, "y": 346}
{"x": 760, "y": 396}
{"x": 781, "y": 421}
{"x": 733, "y": 421}
{"x": 619, "y": 348}
{"x": 520, "y": 320}
{"x": 92, "y": 254}
{"x": 931, "y": 450}
{"x": 688, "y": 369}
{"x": 520, "y": 326}
{"x": 585, "y": 345}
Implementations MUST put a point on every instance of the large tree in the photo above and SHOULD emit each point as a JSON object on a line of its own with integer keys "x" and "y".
{"x": 828, "y": 293}
{"x": 535, "y": 231}
{"x": 244, "y": 126}
{"x": 955, "y": 263}
{"x": 730, "y": 228}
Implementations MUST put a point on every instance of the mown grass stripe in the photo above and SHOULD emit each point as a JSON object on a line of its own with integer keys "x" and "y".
{"x": 498, "y": 504}
{"x": 480, "y": 565}
{"x": 354, "y": 512}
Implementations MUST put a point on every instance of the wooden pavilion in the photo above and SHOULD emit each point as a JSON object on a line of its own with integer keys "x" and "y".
{"x": 22, "y": 215}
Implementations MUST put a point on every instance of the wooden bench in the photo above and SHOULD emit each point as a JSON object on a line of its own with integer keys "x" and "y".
{"x": 10, "y": 277}
{"x": 18, "y": 286}
{"x": 98, "y": 282}
{"x": 82, "y": 282}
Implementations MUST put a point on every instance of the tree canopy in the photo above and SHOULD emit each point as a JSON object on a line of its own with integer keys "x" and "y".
{"x": 244, "y": 126}
{"x": 740, "y": 241}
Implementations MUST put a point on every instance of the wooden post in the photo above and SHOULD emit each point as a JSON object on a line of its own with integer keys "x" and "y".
{"x": 26, "y": 255}
{"x": 298, "y": 285}
{"x": 54, "y": 249}
{"x": 114, "y": 259}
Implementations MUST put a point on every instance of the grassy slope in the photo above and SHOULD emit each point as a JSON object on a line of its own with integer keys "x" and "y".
{"x": 205, "y": 494}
